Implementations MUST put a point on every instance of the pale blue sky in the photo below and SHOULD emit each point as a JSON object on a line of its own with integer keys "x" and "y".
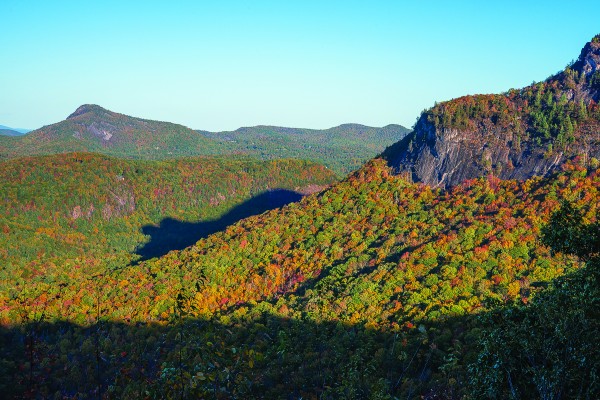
{"x": 219, "y": 65}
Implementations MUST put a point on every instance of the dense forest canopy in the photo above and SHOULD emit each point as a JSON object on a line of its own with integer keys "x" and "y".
{"x": 80, "y": 209}
{"x": 371, "y": 288}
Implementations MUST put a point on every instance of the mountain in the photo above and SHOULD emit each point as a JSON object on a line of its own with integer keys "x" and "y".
{"x": 514, "y": 135}
{"x": 93, "y": 209}
{"x": 343, "y": 148}
{"x": 92, "y": 128}
{"x": 8, "y": 131}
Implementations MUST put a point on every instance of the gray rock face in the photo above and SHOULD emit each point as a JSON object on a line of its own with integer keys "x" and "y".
{"x": 589, "y": 59}
{"x": 441, "y": 156}
{"x": 448, "y": 157}
{"x": 105, "y": 131}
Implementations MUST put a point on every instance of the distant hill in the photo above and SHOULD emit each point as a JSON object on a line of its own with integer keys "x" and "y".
{"x": 92, "y": 128}
{"x": 8, "y": 131}
{"x": 514, "y": 135}
{"x": 343, "y": 148}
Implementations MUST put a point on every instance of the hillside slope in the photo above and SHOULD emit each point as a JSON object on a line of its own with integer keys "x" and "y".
{"x": 515, "y": 135}
{"x": 82, "y": 208}
{"x": 364, "y": 290}
{"x": 343, "y": 148}
{"x": 9, "y": 131}
{"x": 92, "y": 128}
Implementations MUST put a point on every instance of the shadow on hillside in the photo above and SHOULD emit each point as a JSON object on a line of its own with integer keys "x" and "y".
{"x": 264, "y": 356}
{"x": 172, "y": 234}
{"x": 261, "y": 352}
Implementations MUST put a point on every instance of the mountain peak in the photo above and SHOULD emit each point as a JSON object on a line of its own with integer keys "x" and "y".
{"x": 86, "y": 108}
{"x": 589, "y": 59}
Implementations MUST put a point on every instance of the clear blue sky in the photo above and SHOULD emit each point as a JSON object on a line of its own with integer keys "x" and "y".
{"x": 219, "y": 65}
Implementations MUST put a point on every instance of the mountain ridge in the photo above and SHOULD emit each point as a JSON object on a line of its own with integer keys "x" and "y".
{"x": 9, "y": 131}
{"x": 285, "y": 128}
{"x": 92, "y": 128}
{"x": 343, "y": 148}
{"x": 514, "y": 135}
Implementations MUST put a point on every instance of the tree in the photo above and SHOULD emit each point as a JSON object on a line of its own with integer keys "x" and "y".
{"x": 566, "y": 233}
{"x": 547, "y": 349}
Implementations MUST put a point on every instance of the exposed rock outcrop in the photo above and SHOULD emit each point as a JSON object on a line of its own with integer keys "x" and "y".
{"x": 515, "y": 135}
{"x": 589, "y": 59}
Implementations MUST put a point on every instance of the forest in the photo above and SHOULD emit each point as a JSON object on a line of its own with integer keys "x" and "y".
{"x": 375, "y": 288}
{"x": 68, "y": 211}
{"x": 344, "y": 148}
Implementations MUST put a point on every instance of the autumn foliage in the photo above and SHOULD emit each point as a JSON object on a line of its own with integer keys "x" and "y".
{"x": 357, "y": 291}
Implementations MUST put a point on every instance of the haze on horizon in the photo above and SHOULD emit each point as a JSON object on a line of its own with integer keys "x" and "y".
{"x": 222, "y": 65}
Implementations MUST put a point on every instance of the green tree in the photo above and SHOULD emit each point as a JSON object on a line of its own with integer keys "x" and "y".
{"x": 567, "y": 233}
{"x": 547, "y": 349}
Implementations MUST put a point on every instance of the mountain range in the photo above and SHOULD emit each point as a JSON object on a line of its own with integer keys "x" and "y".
{"x": 92, "y": 128}
{"x": 8, "y": 131}
{"x": 343, "y": 148}
{"x": 461, "y": 263}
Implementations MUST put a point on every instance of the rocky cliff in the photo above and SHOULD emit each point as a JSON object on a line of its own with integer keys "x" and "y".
{"x": 515, "y": 135}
